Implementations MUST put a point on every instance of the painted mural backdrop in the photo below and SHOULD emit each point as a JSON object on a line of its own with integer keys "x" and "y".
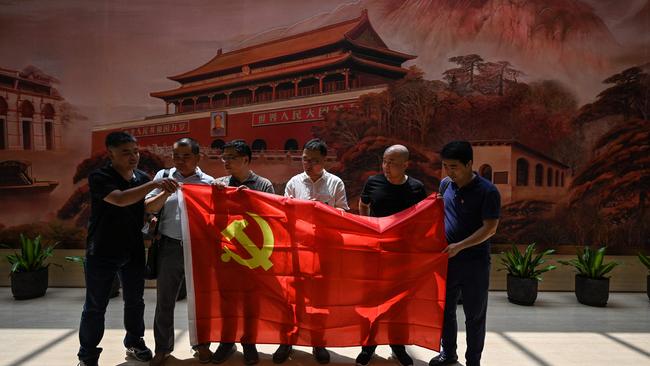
{"x": 554, "y": 95}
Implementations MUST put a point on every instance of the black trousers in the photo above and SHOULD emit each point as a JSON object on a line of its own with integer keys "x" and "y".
{"x": 100, "y": 273}
{"x": 471, "y": 277}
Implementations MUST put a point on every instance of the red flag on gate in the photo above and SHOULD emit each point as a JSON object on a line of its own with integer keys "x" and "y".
{"x": 263, "y": 268}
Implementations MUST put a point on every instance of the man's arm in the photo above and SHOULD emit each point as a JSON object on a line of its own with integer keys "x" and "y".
{"x": 155, "y": 204}
{"x": 133, "y": 195}
{"x": 340, "y": 198}
{"x": 364, "y": 209}
{"x": 485, "y": 232}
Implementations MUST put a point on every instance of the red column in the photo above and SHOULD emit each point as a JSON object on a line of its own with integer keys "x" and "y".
{"x": 194, "y": 104}
{"x": 295, "y": 87}
{"x": 166, "y": 107}
{"x": 320, "y": 83}
{"x": 228, "y": 98}
{"x": 274, "y": 85}
{"x": 347, "y": 79}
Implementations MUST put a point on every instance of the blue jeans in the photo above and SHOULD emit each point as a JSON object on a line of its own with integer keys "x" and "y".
{"x": 100, "y": 272}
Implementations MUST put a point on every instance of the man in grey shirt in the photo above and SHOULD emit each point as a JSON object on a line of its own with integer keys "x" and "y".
{"x": 236, "y": 159}
{"x": 170, "y": 263}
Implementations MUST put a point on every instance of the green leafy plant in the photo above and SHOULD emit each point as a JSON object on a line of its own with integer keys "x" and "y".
{"x": 590, "y": 264}
{"x": 80, "y": 259}
{"x": 32, "y": 255}
{"x": 525, "y": 264}
{"x": 645, "y": 260}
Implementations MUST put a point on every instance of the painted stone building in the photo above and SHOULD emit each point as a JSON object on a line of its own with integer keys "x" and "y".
{"x": 272, "y": 94}
{"x": 520, "y": 172}
{"x": 28, "y": 113}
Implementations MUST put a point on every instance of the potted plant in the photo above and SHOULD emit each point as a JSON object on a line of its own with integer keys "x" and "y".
{"x": 115, "y": 289}
{"x": 591, "y": 285}
{"x": 646, "y": 261}
{"x": 523, "y": 274}
{"x": 29, "y": 273}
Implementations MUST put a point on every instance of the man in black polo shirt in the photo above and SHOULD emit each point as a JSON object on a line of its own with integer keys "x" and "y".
{"x": 115, "y": 246}
{"x": 472, "y": 206}
{"x": 384, "y": 195}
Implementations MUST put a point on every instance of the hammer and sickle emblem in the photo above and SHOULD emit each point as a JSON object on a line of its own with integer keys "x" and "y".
{"x": 259, "y": 256}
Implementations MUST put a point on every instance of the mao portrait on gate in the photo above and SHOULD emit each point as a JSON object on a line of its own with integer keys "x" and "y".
{"x": 218, "y": 124}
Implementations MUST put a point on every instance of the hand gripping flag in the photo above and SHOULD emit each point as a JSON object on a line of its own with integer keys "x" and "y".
{"x": 263, "y": 268}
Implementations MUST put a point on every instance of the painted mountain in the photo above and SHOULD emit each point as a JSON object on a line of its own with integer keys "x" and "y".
{"x": 549, "y": 39}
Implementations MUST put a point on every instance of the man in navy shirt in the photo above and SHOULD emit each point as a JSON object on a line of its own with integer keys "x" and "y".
{"x": 384, "y": 195}
{"x": 115, "y": 247}
{"x": 472, "y": 206}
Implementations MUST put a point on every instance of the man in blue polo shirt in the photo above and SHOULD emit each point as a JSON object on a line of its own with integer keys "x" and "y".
{"x": 472, "y": 206}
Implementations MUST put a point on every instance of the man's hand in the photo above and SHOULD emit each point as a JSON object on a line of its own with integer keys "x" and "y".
{"x": 453, "y": 249}
{"x": 218, "y": 185}
{"x": 168, "y": 185}
{"x": 242, "y": 187}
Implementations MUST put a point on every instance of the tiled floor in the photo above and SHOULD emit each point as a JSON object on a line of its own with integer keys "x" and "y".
{"x": 556, "y": 331}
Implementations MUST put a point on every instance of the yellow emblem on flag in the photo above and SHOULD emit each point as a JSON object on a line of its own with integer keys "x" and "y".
{"x": 259, "y": 256}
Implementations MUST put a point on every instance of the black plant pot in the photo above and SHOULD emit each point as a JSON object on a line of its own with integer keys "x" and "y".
{"x": 592, "y": 292}
{"x": 522, "y": 291}
{"x": 29, "y": 285}
{"x": 648, "y": 286}
{"x": 115, "y": 290}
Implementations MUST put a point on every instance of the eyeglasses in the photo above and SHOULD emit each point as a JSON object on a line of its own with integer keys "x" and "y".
{"x": 226, "y": 158}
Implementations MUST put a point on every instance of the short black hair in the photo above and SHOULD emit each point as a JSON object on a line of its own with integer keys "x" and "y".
{"x": 117, "y": 138}
{"x": 316, "y": 144}
{"x": 188, "y": 141}
{"x": 241, "y": 147}
{"x": 458, "y": 150}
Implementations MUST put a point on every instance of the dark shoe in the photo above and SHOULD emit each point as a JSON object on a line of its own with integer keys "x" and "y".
{"x": 251, "y": 357}
{"x": 223, "y": 352}
{"x": 443, "y": 359}
{"x": 87, "y": 363}
{"x": 321, "y": 355}
{"x": 203, "y": 353}
{"x": 282, "y": 353}
{"x": 363, "y": 359}
{"x": 139, "y": 352}
{"x": 159, "y": 359}
{"x": 402, "y": 357}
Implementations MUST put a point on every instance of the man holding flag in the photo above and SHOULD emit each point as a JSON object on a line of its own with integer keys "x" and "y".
{"x": 384, "y": 195}
{"x": 314, "y": 184}
{"x": 472, "y": 206}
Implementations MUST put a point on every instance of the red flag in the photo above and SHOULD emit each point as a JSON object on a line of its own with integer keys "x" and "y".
{"x": 263, "y": 268}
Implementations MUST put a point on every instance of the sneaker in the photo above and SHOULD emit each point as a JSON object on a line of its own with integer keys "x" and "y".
{"x": 223, "y": 352}
{"x": 203, "y": 353}
{"x": 442, "y": 359}
{"x": 321, "y": 355}
{"x": 159, "y": 359}
{"x": 139, "y": 352}
{"x": 402, "y": 357}
{"x": 363, "y": 359}
{"x": 282, "y": 353}
{"x": 251, "y": 357}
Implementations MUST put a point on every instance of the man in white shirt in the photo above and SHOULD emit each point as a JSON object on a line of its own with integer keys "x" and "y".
{"x": 314, "y": 184}
{"x": 170, "y": 263}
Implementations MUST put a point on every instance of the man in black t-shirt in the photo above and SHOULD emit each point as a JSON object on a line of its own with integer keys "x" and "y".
{"x": 115, "y": 246}
{"x": 384, "y": 195}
